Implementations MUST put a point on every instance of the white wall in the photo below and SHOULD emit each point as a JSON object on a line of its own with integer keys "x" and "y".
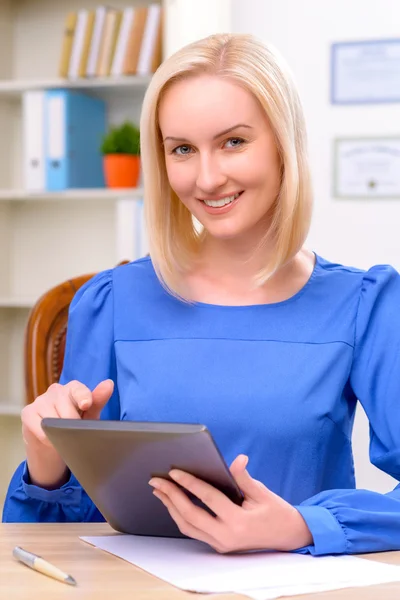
{"x": 190, "y": 20}
{"x": 359, "y": 233}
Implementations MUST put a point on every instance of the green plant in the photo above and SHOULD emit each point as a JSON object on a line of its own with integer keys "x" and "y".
{"x": 124, "y": 139}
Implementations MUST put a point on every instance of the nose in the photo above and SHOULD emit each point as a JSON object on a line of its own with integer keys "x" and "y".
{"x": 210, "y": 176}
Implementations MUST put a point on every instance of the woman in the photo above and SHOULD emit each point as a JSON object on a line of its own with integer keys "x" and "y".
{"x": 234, "y": 324}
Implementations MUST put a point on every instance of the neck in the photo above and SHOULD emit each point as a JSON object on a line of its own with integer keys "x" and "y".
{"x": 232, "y": 259}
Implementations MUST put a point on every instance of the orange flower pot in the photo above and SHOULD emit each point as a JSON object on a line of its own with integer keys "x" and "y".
{"x": 121, "y": 170}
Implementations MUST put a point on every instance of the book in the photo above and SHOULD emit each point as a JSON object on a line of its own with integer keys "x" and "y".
{"x": 68, "y": 38}
{"x": 135, "y": 41}
{"x": 77, "y": 46}
{"x": 122, "y": 41}
{"x": 108, "y": 41}
{"x": 150, "y": 41}
{"x": 87, "y": 38}
{"x": 114, "y": 39}
{"x": 132, "y": 243}
{"x": 158, "y": 47}
{"x": 100, "y": 15}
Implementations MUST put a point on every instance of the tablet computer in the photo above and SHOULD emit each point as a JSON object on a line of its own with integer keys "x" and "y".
{"x": 114, "y": 461}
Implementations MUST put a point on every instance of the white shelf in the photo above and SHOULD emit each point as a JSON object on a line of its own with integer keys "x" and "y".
{"x": 10, "y": 410}
{"x": 72, "y": 194}
{"x": 15, "y": 88}
{"x": 14, "y": 302}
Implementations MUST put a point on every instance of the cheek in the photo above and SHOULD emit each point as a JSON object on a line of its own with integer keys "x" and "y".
{"x": 180, "y": 177}
{"x": 258, "y": 167}
{"x": 260, "y": 172}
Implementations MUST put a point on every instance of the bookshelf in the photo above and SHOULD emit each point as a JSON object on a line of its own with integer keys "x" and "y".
{"x": 15, "y": 88}
{"x": 48, "y": 237}
{"x": 11, "y": 410}
{"x": 15, "y": 302}
{"x": 13, "y": 195}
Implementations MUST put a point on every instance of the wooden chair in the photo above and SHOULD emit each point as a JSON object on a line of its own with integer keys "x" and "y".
{"x": 45, "y": 336}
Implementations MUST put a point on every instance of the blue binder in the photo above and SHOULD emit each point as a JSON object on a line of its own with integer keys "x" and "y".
{"x": 74, "y": 126}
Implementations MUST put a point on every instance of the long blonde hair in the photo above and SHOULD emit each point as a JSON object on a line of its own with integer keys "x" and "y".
{"x": 174, "y": 240}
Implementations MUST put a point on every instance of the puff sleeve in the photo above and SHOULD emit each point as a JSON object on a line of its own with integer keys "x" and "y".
{"x": 356, "y": 521}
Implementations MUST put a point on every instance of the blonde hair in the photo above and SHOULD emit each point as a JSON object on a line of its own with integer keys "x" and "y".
{"x": 174, "y": 241}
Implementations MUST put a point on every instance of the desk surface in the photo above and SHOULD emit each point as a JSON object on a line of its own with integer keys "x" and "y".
{"x": 101, "y": 576}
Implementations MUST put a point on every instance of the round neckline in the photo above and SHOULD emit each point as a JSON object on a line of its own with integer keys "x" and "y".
{"x": 265, "y": 305}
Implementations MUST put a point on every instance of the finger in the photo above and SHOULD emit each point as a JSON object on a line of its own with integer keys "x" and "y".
{"x": 239, "y": 464}
{"x": 79, "y": 395}
{"x": 100, "y": 396}
{"x": 64, "y": 407}
{"x": 184, "y": 526}
{"x": 32, "y": 425}
{"x": 194, "y": 515}
{"x": 252, "y": 488}
{"x": 56, "y": 398}
{"x": 217, "y": 501}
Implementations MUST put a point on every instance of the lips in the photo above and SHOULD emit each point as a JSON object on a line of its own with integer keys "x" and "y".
{"x": 218, "y": 210}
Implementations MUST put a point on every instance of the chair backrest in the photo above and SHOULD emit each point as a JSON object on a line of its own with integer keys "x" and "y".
{"x": 45, "y": 336}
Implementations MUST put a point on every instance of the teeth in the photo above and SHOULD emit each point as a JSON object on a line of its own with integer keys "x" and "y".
{"x": 222, "y": 202}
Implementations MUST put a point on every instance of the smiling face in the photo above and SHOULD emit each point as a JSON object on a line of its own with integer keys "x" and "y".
{"x": 220, "y": 155}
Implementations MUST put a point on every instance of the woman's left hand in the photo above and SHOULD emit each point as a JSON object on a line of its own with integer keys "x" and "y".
{"x": 263, "y": 521}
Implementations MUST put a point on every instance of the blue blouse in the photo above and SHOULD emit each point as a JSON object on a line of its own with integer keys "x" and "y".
{"x": 278, "y": 382}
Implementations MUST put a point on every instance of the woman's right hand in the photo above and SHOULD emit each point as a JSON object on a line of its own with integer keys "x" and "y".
{"x": 71, "y": 401}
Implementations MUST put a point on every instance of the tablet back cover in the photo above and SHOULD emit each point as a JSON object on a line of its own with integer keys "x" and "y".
{"x": 114, "y": 461}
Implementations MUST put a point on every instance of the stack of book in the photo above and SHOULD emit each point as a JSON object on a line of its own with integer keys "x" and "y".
{"x": 111, "y": 42}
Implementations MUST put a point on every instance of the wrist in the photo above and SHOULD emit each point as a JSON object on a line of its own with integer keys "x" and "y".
{"x": 298, "y": 533}
{"x": 302, "y": 536}
{"x": 45, "y": 468}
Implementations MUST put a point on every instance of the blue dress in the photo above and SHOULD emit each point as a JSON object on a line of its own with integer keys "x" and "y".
{"x": 278, "y": 382}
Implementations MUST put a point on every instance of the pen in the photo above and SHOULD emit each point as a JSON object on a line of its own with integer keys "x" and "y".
{"x": 37, "y": 563}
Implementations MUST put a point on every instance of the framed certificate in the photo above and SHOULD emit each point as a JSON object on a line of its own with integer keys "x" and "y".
{"x": 365, "y": 72}
{"x": 367, "y": 168}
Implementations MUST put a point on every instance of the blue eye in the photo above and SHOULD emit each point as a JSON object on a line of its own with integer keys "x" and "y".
{"x": 185, "y": 150}
{"x": 183, "y": 147}
{"x": 235, "y": 142}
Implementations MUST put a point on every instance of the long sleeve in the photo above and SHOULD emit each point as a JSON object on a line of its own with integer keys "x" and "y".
{"x": 89, "y": 358}
{"x": 356, "y": 521}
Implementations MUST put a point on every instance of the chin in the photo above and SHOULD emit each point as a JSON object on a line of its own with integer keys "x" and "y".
{"x": 224, "y": 234}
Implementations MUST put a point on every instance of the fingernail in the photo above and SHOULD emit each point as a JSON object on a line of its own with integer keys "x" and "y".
{"x": 176, "y": 476}
{"x": 154, "y": 484}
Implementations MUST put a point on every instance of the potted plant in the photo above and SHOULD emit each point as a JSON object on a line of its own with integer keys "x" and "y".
{"x": 121, "y": 156}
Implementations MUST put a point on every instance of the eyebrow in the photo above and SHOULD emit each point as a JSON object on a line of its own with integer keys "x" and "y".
{"x": 178, "y": 139}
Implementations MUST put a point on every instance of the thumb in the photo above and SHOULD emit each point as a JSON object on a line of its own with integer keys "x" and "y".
{"x": 252, "y": 488}
{"x": 100, "y": 396}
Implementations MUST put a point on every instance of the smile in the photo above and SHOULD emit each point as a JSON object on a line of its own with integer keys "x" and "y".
{"x": 222, "y": 201}
{"x": 220, "y": 206}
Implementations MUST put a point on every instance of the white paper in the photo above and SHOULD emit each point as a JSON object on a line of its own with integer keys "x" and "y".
{"x": 194, "y": 566}
{"x": 272, "y": 593}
